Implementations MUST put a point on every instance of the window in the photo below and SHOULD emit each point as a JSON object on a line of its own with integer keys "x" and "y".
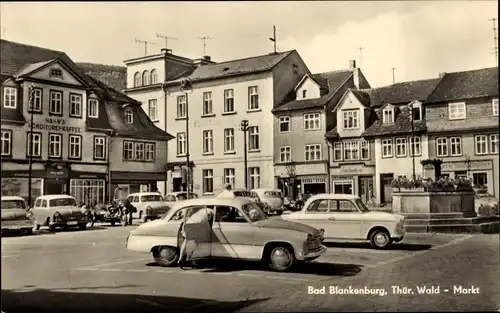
{"x": 139, "y": 151}
{"x": 350, "y": 119}
{"x": 312, "y": 121}
{"x": 37, "y": 101}
{"x": 207, "y": 103}
{"x": 55, "y": 72}
{"x": 460, "y": 174}
{"x": 442, "y": 147}
{"x": 388, "y": 116}
{"x": 351, "y": 150}
{"x": 253, "y": 134}
{"x": 321, "y": 206}
{"x": 494, "y": 107}
{"x": 99, "y": 148}
{"x": 345, "y": 206}
{"x": 6, "y": 142}
{"x": 128, "y": 150}
{"x": 455, "y": 146}
{"x": 457, "y": 111}
{"x": 400, "y": 147}
{"x": 181, "y": 144}
{"x": 154, "y": 77}
{"x": 150, "y": 152}
{"x": 494, "y": 143}
{"x": 153, "y": 109}
{"x": 480, "y": 179}
{"x": 313, "y": 152}
{"x": 285, "y": 154}
{"x": 304, "y": 93}
{"x": 145, "y": 78}
{"x": 55, "y": 102}
{"x": 228, "y": 100}
{"x": 229, "y": 176}
{"x": 75, "y": 147}
{"x": 284, "y": 124}
{"x": 181, "y": 106}
{"x": 365, "y": 150}
{"x": 415, "y": 145}
{"x": 387, "y": 148}
{"x": 55, "y": 145}
{"x": 36, "y": 144}
{"x": 9, "y": 97}
{"x": 208, "y": 141}
{"x": 337, "y": 151}
{"x": 481, "y": 144}
{"x": 129, "y": 116}
{"x": 88, "y": 190}
{"x": 75, "y": 105}
{"x": 137, "y": 79}
{"x": 342, "y": 187}
{"x": 208, "y": 181}
{"x": 416, "y": 113}
{"x": 254, "y": 177}
{"x": 93, "y": 108}
{"x": 229, "y": 140}
{"x": 253, "y": 98}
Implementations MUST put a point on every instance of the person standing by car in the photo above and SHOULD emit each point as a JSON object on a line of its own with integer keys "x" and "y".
{"x": 227, "y": 191}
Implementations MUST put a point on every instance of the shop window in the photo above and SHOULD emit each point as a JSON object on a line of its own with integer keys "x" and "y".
{"x": 342, "y": 188}
{"x": 88, "y": 191}
{"x": 480, "y": 180}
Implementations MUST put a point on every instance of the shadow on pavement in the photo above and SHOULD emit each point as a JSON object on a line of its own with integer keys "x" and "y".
{"x": 41, "y": 300}
{"x": 311, "y": 268}
{"x": 366, "y": 245}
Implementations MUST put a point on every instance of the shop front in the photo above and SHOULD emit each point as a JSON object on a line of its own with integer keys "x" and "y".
{"x": 16, "y": 182}
{"x": 179, "y": 176}
{"x": 131, "y": 182}
{"x": 484, "y": 173}
{"x": 296, "y": 179}
{"x": 354, "y": 179}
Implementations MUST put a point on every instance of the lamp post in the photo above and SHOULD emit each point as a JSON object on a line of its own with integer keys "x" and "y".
{"x": 186, "y": 87}
{"x": 244, "y": 128}
{"x": 412, "y": 140}
{"x": 31, "y": 104}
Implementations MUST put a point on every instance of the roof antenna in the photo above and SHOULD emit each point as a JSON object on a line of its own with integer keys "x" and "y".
{"x": 495, "y": 47}
{"x": 360, "y": 55}
{"x": 166, "y": 40}
{"x": 145, "y": 45}
{"x": 273, "y": 39}
{"x": 393, "y": 75}
{"x": 204, "y": 38}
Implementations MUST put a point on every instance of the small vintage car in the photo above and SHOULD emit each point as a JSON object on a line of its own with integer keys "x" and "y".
{"x": 15, "y": 215}
{"x": 239, "y": 230}
{"x": 149, "y": 205}
{"x": 346, "y": 217}
{"x": 179, "y": 196}
{"x": 58, "y": 211}
{"x": 272, "y": 199}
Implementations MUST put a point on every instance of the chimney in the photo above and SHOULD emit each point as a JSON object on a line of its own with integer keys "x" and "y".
{"x": 164, "y": 51}
{"x": 442, "y": 74}
{"x": 355, "y": 72}
{"x": 207, "y": 57}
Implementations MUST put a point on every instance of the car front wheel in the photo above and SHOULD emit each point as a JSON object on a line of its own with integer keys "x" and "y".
{"x": 281, "y": 258}
{"x": 166, "y": 255}
{"x": 380, "y": 239}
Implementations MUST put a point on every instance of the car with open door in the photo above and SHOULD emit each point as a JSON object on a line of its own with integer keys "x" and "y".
{"x": 239, "y": 230}
{"x": 346, "y": 217}
{"x": 15, "y": 215}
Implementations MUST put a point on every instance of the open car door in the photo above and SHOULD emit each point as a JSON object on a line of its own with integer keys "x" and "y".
{"x": 198, "y": 229}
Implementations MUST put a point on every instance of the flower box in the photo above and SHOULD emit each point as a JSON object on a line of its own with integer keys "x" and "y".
{"x": 440, "y": 189}
{"x": 417, "y": 189}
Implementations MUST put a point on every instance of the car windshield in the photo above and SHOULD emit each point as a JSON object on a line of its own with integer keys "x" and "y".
{"x": 362, "y": 207}
{"x": 253, "y": 211}
{"x": 183, "y": 196}
{"x": 62, "y": 202}
{"x": 243, "y": 194}
{"x": 276, "y": 194}
{"x": 13, "y": 204}
{"x": 151, "y": 198}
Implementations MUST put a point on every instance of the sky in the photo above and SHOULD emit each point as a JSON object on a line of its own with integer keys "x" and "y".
{"x": 419, "y": 39}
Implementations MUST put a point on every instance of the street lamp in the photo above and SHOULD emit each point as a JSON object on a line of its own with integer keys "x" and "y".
{"x": 244, "y": 129}
{"x": 31, "y": 107}
{"x": 186, "y": 88}
{"x": 412, "y": 139}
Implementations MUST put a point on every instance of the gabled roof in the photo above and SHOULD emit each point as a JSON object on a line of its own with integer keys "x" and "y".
{"x": 401, "y": 125}
{"x": 112, "y": 75}
{"x": 256, "y": 64}
{"x": 28, "y": 69}
{"x": 466, "y": 85}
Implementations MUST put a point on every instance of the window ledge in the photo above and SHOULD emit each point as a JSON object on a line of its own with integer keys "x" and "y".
{"x": 55, "y": 114}
{"x": 254, "y": 151}
{"x": 155, "y": 121}
{"x": 312, "y": 129}
{"x": 285, "y": 132}
{"x": 208, "y": 115}
{"x": 254, "y": 110}
{"x": 208, "y": 194}
{"x": 35, "y": 112}
{"x": 180, "y": 118}
{"x": 93, "y": 116}
{"x": 229, "y": 113}
{"x": 357, "y": 128}
{"x": 181, "y": 155}
{"x": 230, "y": 152}
{"x": 10, "y": 107}
{"x": 208, "y": 153}
{"x": 387, "y": 156}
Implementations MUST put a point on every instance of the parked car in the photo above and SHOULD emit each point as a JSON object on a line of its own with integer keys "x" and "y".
{"x": 241, "y": 193}
{"x": 149, "y": 205}
{"x": 179, "y": 196}
{"x": 15, "y": 215}
{"x": 341, "y": 216}
{"x": 485, "y": 204}
{"x": 248, "y": 235}
{"x": 58, "y": 211}
{"x": 272, "y": 199}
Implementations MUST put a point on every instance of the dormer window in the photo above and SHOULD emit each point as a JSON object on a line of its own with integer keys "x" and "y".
{"x": 129, "y": 116}
{"x": 9, "y": 97}
{"x": 304, "y": 93}
{"x": 416, "y": 111}
{"x": 388, "y": 115}
{"x": 55, "y": 72}
{"x": 93, "y": 108}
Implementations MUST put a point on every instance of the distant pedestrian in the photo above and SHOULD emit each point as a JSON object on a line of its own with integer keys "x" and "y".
{"x": 227, "y": 191}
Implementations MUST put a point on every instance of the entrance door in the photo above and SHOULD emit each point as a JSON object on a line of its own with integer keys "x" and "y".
{"x": 366, "y": 189}
{"x": 314, "y": 188}
{"x": 177, "y": 184}
{"x": 386, "y": 190}
{"x": 55, "y": 187}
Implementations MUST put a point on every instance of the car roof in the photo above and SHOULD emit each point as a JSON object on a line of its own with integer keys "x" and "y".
{"x": 239, "y": 189}
{"x": 51, "y": 197}
{"x": 144, "y": 194}
{"x": 7, "y": 198}
{"x": 236, "y": 202}
{"x": 266, "y": 189}
{"x": 333, "y": 196}
{"x": 179, "y": 193}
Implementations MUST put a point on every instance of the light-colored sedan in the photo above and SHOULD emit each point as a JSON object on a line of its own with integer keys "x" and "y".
{"x": 272, "y": 199}
{"x": 179, "y": 196}
{"x": 15, "y": 215}
{"x": 240, "y": 230}
{"x": 346, "y": 217}
{"x": 149, "y": 205}
{"x": 58, "y": 211}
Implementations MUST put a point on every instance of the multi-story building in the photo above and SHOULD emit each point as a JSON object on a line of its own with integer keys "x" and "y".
{"x": 462, "y": 124}
{"x": 300, "y": 150}
{"x": 371, "y": 143}
{"x": 82, "y": 136}
{"x": 145, "y": 78}
{"x": 223, "y": 95}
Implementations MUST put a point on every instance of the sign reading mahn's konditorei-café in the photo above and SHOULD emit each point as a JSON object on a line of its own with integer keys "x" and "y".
{"x": 57, "y": 125}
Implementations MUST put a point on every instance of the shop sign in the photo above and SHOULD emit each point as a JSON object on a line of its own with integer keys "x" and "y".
{"x": 475, "y": 165}
{"x": 55, "y": 124}
{"x": 61, "y": 173}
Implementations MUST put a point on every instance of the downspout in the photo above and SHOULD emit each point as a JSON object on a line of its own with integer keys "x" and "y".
{"x": 165, "y": 118}
{"x": 329, "y": 156}
{"x": 108, "y": 153}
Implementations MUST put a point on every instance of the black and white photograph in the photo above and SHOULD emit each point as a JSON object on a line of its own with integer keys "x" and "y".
{"x": 249, "y": 156}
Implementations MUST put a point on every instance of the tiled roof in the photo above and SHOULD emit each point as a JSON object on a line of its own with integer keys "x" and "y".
{"x": 403, "y": 92}
{"x": 363, "y": 96}
{"x": 402, "y": 124}
{"x": 112, "y": 75}
{"x": 14, "y": 115}
{"x": 332, "y": 133}
{"x": 466, "y": 85}
{"x": 32, "y": 67}
{"x": 331, "y": 80}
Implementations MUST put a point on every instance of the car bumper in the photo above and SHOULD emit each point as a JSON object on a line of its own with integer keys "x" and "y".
{"x": 16, "y": 227}
{"x": 398, "y": 237}
{"x": 313, "y": 254}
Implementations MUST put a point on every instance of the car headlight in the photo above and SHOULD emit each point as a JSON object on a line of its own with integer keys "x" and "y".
{"x": 322, "y": 233}
{"x": 57, "y": 217}
{"x": 149, "y": 210}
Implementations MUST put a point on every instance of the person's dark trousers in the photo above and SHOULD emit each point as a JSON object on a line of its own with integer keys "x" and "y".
{"x": 130, "y": 218}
